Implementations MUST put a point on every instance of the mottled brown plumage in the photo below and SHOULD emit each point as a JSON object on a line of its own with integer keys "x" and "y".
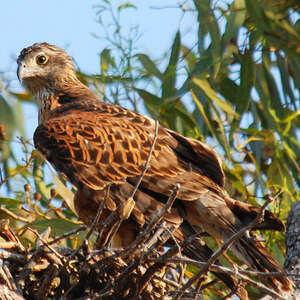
{"x": 96, "y": 144}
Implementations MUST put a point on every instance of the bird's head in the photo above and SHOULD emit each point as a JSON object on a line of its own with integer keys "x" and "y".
{"x": 44, "y": 67}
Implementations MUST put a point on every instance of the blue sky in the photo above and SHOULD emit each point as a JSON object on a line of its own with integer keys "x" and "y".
{"x": 70, "y": 24}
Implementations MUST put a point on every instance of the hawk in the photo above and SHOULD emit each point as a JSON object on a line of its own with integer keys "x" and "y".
{"x": 96, "y": 144}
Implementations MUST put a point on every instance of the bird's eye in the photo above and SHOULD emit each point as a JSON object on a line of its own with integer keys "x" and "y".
{"x": 41, "y": 59}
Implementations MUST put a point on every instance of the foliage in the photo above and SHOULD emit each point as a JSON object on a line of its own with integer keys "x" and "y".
{"x": 233, "y": 83}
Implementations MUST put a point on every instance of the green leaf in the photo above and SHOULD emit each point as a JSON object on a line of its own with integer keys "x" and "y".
{"x": 189, "y": 56}
{"x": 230, "y": 90}
{"x": 212, "y": 95}
{"x": 288, "y": 150}
{"x": 106, "y": 61}
{"x": 7, "y": 118}
{"x": 177, "y": 117}
{"x": 288, "y": 120}
{"x": 294, "y": 67}
{"x": 275, "y": 101}
{"x": 202, "y": 111}
{"x": 264, "y": 107}
{"x": 207, "y": 19}
{"x": 169, "y": 77}
{"x": 203, "y": 65}
{"x": 235, "y": 20}
{"x": 279, "y": 20}
{"x": 149, "y": 65}
{"x": 10, "y": 202}
{"x": 285, "y": 77}
{"x": 247, "y": 77}
{"x": 20, "y": 121}
{"x": 58, "y": 226}
{"x": 187, "y": 118}
{"x": 151, "y": 102}
{"x": 38, "y": 176}
{"x": 65, "y": 193}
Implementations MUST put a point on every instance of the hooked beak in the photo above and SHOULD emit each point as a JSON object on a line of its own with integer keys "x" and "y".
{"x": 23, "y": 72}
{"x": 20, "y": 71}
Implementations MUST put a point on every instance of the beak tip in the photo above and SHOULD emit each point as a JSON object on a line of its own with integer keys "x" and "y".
{"x": 18, "y": 73}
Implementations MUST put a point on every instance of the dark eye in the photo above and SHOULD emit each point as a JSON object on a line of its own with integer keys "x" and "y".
{"x": 41, "y": 59}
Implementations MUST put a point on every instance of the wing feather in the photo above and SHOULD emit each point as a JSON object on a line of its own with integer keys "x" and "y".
{"x": 94, "y": 148}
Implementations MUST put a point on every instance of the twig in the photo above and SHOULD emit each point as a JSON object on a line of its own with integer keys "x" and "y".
{"x": 157, "y": 266}
{"x": 67, "y": 234}
{"x": 99, "y": 213}
{"x": 39, "y": 213}
{"x": 7, "y": 255}
{"x": 118, "y": 281}
{"x": 146, "y": 166}
{"x": 232, "y": 292}
{"x": 46, "y": 244}
{"x": 27, "y": 189}
{"x": 182, "y": 272}
{"x": 6, "y": 276}
{"x": 59, "y": 213}
{"x": 13, "y": 215}
{"x": 8, "y": 235}
{"x": 141, "y": 240}
{"x": 113, "y": 230}
{"x": 94, "y": 224}
{"x": 4, "y": 180}
{"x": 154, "y": 221}
{"x": 1, "y": 177}
{"x": 227, "y": 244}
{"x": 168, "y": 281}
{"x": 154, "y": 238}
{"x": 44, "y": 287}
{"x": 87, "y": 237}
{"x": 236, "y": 273}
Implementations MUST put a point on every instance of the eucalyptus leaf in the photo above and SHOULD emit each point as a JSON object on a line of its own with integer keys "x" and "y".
{"x": 58, "y": 226}
{"x": 212, "y": 95}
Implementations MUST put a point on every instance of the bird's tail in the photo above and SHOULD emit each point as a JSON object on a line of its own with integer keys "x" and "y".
{"x": 256, "y": 256}
{"x": 253, "y": 252}
{"x": 221, "y": 217}
{"x": 196, "y": 249}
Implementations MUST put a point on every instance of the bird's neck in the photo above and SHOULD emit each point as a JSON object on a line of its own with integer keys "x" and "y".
{"x": 48, "y": 99}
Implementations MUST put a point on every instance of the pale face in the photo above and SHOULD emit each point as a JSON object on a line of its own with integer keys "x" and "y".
{"x": 44, "y": 67}
{"x": 32, "y": 65}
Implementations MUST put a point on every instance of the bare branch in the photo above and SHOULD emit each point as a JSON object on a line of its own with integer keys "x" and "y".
{"x": 155, "y": 220}
{"x": 147, "y": 161}
{"x": 237, "y": 273}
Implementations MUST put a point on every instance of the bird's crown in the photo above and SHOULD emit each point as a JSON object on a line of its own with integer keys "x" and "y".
{"x": 39, "y": 47}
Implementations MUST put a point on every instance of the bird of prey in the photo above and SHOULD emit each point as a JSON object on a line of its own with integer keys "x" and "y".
{"x": 96, "y": 144}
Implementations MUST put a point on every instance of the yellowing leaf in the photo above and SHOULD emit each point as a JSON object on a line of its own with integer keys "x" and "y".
{"x": 65, "y": 193}
{"x": 250, "y": 139}
{"x": 205, "y": 86}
